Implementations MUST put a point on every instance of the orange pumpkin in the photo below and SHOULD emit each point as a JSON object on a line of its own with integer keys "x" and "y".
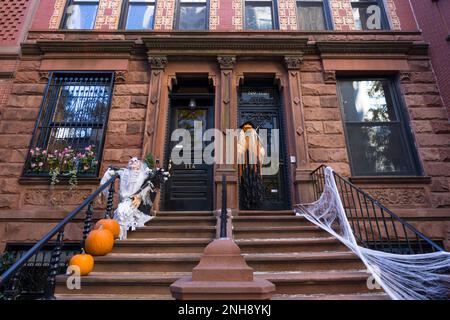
{"x": 99, "y": 242}
{"x": 109, "y": 224}
{"x": 84, "y": 261}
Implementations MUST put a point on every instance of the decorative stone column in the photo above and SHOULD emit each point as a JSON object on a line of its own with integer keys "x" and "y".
{"x": 157, "y": 65}
{"x": 225, "y": 111}
{"x": 302, "y": 172}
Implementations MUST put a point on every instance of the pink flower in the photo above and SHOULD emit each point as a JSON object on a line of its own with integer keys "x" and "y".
{"x": 32, "y": 152}
{"x": 33, "y": 165}
{"x": 40, "y": 164}
{"x": 44, "y": 152}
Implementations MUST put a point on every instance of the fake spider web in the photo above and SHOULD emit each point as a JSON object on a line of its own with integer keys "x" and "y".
{"x": 403, "y": 277}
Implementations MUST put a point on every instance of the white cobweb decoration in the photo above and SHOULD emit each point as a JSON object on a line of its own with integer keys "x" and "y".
{"x": 403, "y": 277}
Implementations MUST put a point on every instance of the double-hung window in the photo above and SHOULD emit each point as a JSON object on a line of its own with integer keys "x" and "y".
{"x": 80, "y": 14}
{"x": 192, "y": 15}
{"x": 313, "y": 15}
{"x": 260, "y": 15}
{"x": 72, "y": 121}
{"x": 378, "y": 136}
{"x": 138, "y": 14}
{"x": 369, "y": 15}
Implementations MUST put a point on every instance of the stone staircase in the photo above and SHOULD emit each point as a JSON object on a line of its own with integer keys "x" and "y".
{"x": 300, "y": 258}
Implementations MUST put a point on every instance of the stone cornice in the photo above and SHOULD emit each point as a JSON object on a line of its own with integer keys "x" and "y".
{"x": 222, "y": 44}
{"x": 114, "y": 47}
{"x": 226, "y": 44}
{"x": 372, "y": 47}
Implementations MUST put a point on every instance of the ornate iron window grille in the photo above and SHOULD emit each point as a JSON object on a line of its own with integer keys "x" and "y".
{"x": 74, "y": 113}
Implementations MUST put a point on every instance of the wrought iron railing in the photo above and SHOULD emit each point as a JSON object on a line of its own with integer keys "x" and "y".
{"x": 374, "y": 226}
{"x": 223, "y": 211}
{"x": 13, "y": 281}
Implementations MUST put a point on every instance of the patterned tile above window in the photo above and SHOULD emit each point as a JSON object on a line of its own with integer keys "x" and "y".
{"x": 71, "y": 126}
{"x": 313, "y": 15}
{"x": 260, "y": 15}
{"x": 138, "y": 14}
{"x": 379, "y": 141}
{"x": 369, "y": 15}
{"x": 192, "y": 15}
{"x": 80, "y": 14}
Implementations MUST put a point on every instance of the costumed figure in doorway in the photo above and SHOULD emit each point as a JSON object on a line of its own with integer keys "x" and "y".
{"x": 250, "y": 153}
{"x": 137, "y": 191}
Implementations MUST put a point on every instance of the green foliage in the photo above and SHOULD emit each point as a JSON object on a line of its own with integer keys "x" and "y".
{"x": 6, "y": 260}
{"x": 150, "y": 161}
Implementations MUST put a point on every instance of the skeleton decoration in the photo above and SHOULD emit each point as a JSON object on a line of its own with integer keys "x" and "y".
{"x": 137, "y": 191}
{"x": 250, "y": 152}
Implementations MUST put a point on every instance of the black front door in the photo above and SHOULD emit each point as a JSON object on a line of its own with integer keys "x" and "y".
{"x": 191, "y": 184}
{"x": 261, "y": 106}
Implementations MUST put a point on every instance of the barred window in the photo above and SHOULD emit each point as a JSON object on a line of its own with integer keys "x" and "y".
{"x": 80, "y": 14}
{"x": 369, "y": 15}
{"x": 313, "y": 14}
{"x": 71, "y": 126}
{"x": 138, "y": 14}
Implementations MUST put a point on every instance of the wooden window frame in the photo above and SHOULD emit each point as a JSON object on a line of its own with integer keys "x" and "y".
{"x": 326, "y": 12}
{"x": 407, "y": 136}
{"x": 68, "y": 4}
{"x": 274, "y": 3}
{"x": 177, "y": 18}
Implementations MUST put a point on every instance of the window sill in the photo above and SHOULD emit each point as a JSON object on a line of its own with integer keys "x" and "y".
{"x": 62, "y": 180}
{"x": 391, "y": 180}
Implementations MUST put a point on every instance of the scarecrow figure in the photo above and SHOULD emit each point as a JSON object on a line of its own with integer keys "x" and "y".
{"x": 137, "y": 191}
{"x": 250, "y": 152}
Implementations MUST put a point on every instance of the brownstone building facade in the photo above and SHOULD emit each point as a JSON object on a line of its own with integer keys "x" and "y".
{"x": 312, "y": 80}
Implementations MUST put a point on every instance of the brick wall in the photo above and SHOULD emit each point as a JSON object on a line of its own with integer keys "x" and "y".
{"x": 12, "y": 18}
{"x": 434, "y": 20}
{"x": 224, "y": 14}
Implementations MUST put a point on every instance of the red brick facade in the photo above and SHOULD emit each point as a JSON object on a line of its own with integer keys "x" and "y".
{"x": 433, "y": 18}
{"x": 146, "y": 65}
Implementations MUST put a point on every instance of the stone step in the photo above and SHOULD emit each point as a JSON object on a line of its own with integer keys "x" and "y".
{"x": 290, "y": 245}
{"x": 117, "y": 283}
{"x": 262, "y": 213}
{"x": 362, "y": 296}
{"x": 118, "y": 296}
{"x": 269, "y": 221}
{"x": 316, "y": 282}
{"x": 161, "y": 245}
{"x": 182, "y": 221}
{"x": 273, "y": 262}
{"x": 184, "y": 214}
{"x": 155, "y": 285}
{"x": 304, "y": 261}
{"x": 278, "y": 232}
{"x": 173, "y": 232}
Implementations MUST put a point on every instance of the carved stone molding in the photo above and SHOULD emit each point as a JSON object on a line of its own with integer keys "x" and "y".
{"x": 226, "y": 62}
{"x": 293, "y": 62}
{"x": 121, "y": 76}
{"x": 405, "y": 77}
{"x": 157, "y": 62}
{"x": 44, "y": 76}
{"x": 329, "y": 77}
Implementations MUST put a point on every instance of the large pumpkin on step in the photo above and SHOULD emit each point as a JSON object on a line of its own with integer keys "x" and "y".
{"x": 84, "y": 261}
{"x": 99, "y": 242}
{"x": 109, "y": 224}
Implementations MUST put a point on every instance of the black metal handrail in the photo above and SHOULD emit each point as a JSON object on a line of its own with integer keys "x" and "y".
{"x": 374, "y": 226}
{"x": 223, "y": 211}
{"x": 10, "y": 278}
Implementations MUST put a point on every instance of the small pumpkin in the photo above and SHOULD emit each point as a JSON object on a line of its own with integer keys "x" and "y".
{"x": 99, "y": 242}
{"x": 84, "y": 261}
{"x": 109, "y": 224}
